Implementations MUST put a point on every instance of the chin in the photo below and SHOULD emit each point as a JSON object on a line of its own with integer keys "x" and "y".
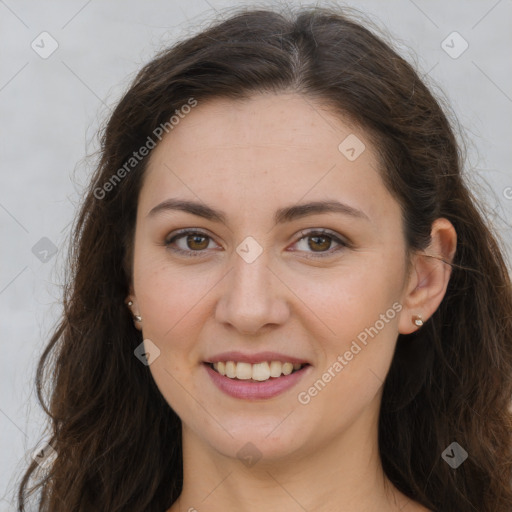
{"x": 263, "y": 440}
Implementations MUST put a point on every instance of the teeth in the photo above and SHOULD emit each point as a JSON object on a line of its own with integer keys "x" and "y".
{"x": 244, "y": 371}
{"x": 287, "y": 368}
{"x": 230, "y": 369}
{"x": 275, "y": 368}
{"x": 259, "y": 371}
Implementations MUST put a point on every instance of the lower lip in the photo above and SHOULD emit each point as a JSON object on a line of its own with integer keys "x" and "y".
{"x": 251, "y": 390}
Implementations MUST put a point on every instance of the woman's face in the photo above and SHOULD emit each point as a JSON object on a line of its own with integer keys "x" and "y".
{"x": 259, "y": 283}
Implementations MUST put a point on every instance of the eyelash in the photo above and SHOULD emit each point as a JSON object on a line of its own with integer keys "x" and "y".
{"x": 321, "y": 232}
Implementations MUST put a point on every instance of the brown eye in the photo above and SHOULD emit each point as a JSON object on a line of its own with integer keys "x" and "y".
{"x": 320, "y": 242}
{"x": 195, "y": 243}
{"x": 192, "y": 243}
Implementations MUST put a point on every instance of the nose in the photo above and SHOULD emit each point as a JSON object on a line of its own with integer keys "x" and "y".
{"x": 252, "y": 297}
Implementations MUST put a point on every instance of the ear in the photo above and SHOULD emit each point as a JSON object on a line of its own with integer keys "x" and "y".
{"x": 130, "y": 297}
{"x": 429, "y": 276}
{"x": 134, "y": 308}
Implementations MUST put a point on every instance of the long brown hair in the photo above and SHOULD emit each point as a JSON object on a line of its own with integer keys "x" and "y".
{"x": 118, "y": 442}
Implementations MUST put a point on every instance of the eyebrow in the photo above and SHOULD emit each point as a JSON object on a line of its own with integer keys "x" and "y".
{"x": 281, "y": 216}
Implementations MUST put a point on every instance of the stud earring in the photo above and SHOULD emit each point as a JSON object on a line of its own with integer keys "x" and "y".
{"x": 417, "y": 320}
{"x": 137, "y": 318}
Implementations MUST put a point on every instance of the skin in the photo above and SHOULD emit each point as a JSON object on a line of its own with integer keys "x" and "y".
{"x": 250, "y": 158}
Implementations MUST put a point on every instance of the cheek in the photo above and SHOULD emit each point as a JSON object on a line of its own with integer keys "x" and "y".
{"x": 170, "y": 297}
{"x": 355, "y": 361}
{"x": 349, "y": 299}
{"x": 357, "y": 313}
{"x": 171, "y": 301}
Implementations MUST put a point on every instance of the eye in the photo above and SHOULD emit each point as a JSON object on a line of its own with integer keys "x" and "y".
{"x": 320, "y": 240}
{"x": 195, "y": 242}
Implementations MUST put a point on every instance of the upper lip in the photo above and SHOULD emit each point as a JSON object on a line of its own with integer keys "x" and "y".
{"x": 259, "y": 357}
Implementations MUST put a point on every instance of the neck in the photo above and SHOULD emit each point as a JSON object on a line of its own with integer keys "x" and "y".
{"x": 344, "y": 473}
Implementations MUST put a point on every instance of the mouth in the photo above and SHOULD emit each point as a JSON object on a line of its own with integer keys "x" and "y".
{"x": 262, "y": 380}
{"x": 258, "y": 372}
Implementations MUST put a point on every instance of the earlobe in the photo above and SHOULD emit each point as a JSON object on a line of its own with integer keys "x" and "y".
{"x": 417, "y": 320}
{"x": 130, "y": 302}
{"x": 429, "y": 278}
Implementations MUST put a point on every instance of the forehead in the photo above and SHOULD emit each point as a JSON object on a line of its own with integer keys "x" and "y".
{"x": 257, "y": 150}
{"x": 290, "y": 121}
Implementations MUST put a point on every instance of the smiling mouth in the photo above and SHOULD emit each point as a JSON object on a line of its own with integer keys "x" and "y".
{"x": 258, "y": 372}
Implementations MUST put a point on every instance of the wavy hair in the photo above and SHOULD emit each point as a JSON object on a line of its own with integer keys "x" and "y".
{"x": 118, "y": 442}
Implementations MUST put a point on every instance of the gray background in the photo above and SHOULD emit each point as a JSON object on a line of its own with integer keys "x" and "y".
{"x": 50, "y": 110}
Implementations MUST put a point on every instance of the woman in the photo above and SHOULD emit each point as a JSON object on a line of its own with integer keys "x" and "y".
{"x": 283, "y": 295}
